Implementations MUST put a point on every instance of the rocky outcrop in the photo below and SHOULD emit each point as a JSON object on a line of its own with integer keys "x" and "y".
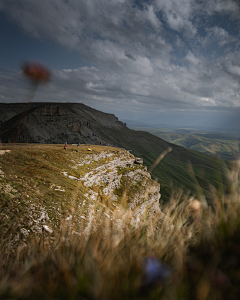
{"x": 119, "y": 178}
{"x": 106, "y": 179}
{"x": 53, "y": 123}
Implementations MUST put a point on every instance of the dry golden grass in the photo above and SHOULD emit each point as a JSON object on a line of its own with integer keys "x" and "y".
{"x": 104, "y": 257}
{"x": 36, "y": 146}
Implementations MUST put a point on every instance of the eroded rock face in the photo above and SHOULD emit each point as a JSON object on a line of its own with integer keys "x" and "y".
{"x": 119, "y": 178}
{"x": 54, "y": 123}
{"x": 108, "y": 180}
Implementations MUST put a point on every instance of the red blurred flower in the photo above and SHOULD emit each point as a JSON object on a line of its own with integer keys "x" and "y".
{"x": 36, "y": 72}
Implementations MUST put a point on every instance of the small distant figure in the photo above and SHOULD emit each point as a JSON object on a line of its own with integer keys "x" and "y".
{"x": 100, "y": 143}
{"x": 89, "y": 149}
{"x": 78, "y": 144}
{"x": 66, "y": 143}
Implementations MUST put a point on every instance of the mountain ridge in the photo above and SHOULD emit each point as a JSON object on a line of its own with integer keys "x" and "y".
{"x": 54, "y": 123}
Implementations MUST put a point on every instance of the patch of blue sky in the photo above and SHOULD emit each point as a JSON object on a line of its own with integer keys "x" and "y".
{"x": 140, "y": 4}
{"x": 20, "y": 47}
{"x": 224, "y": 21}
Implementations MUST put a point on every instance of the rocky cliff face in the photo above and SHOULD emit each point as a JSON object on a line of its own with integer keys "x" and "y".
{"x": 54, "y": 123}
{"x": 47, "y": 185}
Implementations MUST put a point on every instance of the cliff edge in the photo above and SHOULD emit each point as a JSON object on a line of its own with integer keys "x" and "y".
{"x": 42, "y": 185}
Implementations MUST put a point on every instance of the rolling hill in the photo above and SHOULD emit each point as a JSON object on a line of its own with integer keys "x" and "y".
{"x": 215, "y": 144}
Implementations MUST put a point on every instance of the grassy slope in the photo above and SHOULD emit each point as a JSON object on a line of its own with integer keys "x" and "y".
{"x": 32, "y": 181}
{"x": 175, "y": 169}
{"x": 223, "y": 148}
{"x": 33, "y": 173}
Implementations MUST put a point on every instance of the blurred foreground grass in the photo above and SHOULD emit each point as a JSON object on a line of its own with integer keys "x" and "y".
{"x": 105, "y": 258}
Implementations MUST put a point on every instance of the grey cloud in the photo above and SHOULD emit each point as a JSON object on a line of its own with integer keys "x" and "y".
{"x": 69, "y": 22}
{"x": 222, "y": 6}
{"x": 130, "y": 53}
{"x": 191, "y": 58}
{"x": 179, "y": 14}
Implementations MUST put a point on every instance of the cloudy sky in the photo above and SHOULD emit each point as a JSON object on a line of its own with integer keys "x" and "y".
{"x": 159, "y": 61}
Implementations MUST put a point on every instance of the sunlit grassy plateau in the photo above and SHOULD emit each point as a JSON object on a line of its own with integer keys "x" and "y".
{"x": 200, "y": 241}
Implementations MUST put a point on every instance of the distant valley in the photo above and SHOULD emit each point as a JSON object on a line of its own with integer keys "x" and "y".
{"x": 216, "y": 144}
